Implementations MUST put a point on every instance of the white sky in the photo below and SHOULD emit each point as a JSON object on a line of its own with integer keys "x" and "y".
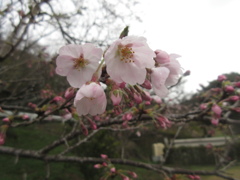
{"x": 206, "y": 33}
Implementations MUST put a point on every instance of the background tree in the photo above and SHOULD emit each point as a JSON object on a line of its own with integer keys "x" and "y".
{"x": 42, "y": 123}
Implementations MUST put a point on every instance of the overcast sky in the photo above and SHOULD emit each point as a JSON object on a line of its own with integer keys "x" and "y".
{"x": 206, "y": 33}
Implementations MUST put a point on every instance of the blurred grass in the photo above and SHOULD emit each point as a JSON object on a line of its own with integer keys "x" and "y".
{"x": 37, "y": 136}
{"x": 34, "y": 138}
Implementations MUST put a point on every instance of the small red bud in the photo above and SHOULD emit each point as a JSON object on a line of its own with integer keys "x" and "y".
{"x": 221, "y": 78}
{"x": 229, "y": 89}
{"x": 104, "y": 156}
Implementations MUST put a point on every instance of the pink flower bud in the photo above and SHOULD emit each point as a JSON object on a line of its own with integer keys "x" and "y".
{"x": 104, "y": 164}
{"x": 221, "y": 78}
{"x": 133, "y": 174}
{"x": 25, "y": 117}
{"x": 203, "y": 106}
{"x": 116, "y": 97}
{"x": 187, "y": 73}
{"x": 2, "y": 138}
{"x": 97, "y": 166}
{"x": 163, "y": 121}
{"x": 93, "y": 126}
{"x": 6, "y": 119}
{"x": 190, "y": 176}
{"x": 92, "y": 123}
{"x": 69, "y": 93}
{"x": 146, "y": 96}
{"x": 57, "y": 99}
{"x": 127, "y": 116}
{"x": 147, "y": 102}
{"x": 121, "y": 85}
{"x": 233, "y": 98}
{"x": 162, "y": 57}
{"x": 229, "y": 89}
{"x": 31, "y": 105}
{"x": 84, "y": 130}
{"x": 125, "y": 177}
{"x": 214, "y": 121}
{"x": 216, "y": 110}
{"x": 113, "y": 170}
{"x": 104, "y": 156}
{"x": 237, "y": 109}
{"x": 237, "y": 84}
{"x": 197, "y": 177}
{"x": 147, "y": 84}
{"x": 97, "y": 118}
{"x": 137, "y": 98}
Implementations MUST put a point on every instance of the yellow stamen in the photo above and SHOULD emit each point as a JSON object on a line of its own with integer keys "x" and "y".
{"x": 126, "y": 54}
{"x": 80, "y": 62}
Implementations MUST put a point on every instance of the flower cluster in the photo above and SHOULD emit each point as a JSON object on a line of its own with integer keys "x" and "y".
{"x": 224, "y": 98}
{"x": 111, "y": 171}
{"x": 129, "y": 63}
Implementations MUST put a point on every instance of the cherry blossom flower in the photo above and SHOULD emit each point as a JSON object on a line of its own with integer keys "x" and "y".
{"x": 175, "y": 71}
{"x": 159, "y": 76}
{"x": 78, "y": 63}
{"x": 169, "y": 61}
{"x": 128, "y": 58}
{"x": 90, "y": 99}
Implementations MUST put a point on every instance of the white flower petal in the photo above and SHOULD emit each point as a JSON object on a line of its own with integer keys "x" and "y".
{"x": 76, "y": 79}
{"x": 71, "y": 50}
{"x": 64, "y": 65}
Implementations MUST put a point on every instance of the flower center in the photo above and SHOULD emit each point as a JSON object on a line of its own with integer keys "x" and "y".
{"x": 126, "y": 54}
{"x": 80, "y": 62}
